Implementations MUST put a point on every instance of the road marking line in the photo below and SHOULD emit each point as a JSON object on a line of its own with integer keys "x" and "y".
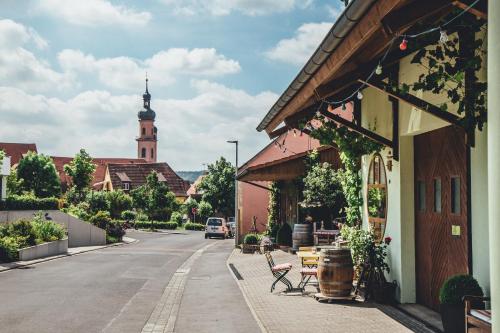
{"x": 164, "y": 315}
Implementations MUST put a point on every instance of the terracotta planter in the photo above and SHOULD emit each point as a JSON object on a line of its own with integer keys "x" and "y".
{"x": 453, "y": 317}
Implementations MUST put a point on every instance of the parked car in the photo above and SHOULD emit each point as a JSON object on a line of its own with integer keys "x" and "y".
{"x": 216, "y": 227}
{"x": 232, "y": 228}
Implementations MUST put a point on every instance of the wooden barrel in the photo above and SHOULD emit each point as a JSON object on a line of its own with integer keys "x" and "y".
{"x": 335, "y": 272}
{"x": 302, "y": 235}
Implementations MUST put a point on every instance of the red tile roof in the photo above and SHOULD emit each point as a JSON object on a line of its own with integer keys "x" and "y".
{"x": 16, "y": 151}
{"x": 100, "y": 170}
{"x": 137, "y": 174}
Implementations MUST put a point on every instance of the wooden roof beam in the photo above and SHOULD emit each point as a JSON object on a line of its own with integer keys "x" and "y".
{"x": 278, "y": 132}
{"x": 480, "y": 10}
{"x": 356, "y": 128}
{"x": 414, "y": 101}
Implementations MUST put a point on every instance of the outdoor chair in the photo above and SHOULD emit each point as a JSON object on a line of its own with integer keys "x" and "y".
{"x": 279, "y": 272}
{"x": 476, "y": 320}
{"x": 306, "y": 274}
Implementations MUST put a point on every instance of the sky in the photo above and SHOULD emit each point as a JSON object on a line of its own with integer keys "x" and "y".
{"x": 72, "y": 72}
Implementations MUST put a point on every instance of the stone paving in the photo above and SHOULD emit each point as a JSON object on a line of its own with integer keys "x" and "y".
{"x": 278, "y": 312}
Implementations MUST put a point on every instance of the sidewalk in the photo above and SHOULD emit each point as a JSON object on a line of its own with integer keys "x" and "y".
{"x": 278, "y": 312}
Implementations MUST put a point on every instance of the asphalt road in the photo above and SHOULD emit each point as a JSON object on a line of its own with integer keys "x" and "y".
{"x": 117, "y": 288}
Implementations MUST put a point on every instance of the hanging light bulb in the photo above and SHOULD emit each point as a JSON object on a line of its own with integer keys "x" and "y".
{"x": 359, "y": 95}
{"x": 443, "y": 36}
{"x": 378, "y": 70}
{"x": 294, "y": 132}
{"x": 330, "y": 108}
{"x": 343, "y": 107}
{"x": 318, "y": 114}
{"x": 403, "y": 45}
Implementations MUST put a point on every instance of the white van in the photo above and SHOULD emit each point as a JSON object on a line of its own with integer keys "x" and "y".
{"x": 216, "y": 227}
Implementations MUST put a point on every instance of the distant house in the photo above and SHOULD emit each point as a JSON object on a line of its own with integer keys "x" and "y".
{"x": 130, "y": 176}
{"x": 193, "y": 191}
{"x": 4, "y": 173}
{"x": 16, "y": 151}
{"x": 100, "y": 171}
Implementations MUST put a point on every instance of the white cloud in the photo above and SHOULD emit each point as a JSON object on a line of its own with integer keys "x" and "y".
{"x": 191, "y": 131}
{"x": 94, "y": 12}
{"x": 19, "y": 67}
{"x": 225, "y": 7}
{"x": 300, "y": 47}
{"x": 334, "y": 11}
{"x": 162, "y": 67}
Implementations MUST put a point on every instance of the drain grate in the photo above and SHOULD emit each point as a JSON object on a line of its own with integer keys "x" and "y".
{"x": 235, "y": 272}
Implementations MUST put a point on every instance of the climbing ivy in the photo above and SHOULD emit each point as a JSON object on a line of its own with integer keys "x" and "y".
{"x": 273, "y": 209}
{"x": 352, "y": 146}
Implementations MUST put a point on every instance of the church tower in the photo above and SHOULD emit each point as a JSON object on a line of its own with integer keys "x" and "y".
{"x": 147, "y": 140}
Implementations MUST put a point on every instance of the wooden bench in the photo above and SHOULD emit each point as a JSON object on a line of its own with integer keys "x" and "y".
{"x": 476, "y": 320}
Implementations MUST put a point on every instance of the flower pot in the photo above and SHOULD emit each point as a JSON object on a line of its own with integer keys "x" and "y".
{"x": 386, "y": 293}
{"x": 453, "y": 317}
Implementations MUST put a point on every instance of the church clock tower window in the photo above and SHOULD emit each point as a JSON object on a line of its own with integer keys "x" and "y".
{"x": 147, "y": 140}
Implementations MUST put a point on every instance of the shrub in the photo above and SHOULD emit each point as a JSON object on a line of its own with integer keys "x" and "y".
{"x": 118, "y": 202}
{"x": 128, "y": 215}
{"x": 97, "y": 201}
{"x": 8, "y": 249}
{"x": 100, "y": 219}
{"x": 456, "y": 287}
{"x": 47, "y": 231}
{"x": 251, "y": 239}
{"x": 171, "y": 225}
{"x": 284, "y": 235}
{"x": 194, "y": 226}
{"x": 80, "y": 211}
{"x": 176, "y": 217}
{"x": 23, "y": 231}
{"x": 29, "y": 202}
{"x": 114, "y": 232}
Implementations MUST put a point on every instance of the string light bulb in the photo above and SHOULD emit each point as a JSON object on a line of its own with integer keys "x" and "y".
{"x": 343, "y": 107}
{"x": 294, "y": 132}
{"x": 318, "y": 114}
{"x": 378, "y": 70}
{"x": 404, "y": 44}
{"x": 443, "y": 36}
{"x": 330, "y": 108}
{"x": 359, "y": 95}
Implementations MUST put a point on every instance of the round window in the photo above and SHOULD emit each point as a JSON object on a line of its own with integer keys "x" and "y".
{"x": 377, "y": 197}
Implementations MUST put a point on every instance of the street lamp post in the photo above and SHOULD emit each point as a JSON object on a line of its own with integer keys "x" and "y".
{"x": 236, "y": 212}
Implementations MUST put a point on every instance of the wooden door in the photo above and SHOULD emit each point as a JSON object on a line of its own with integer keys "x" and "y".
{"x": 441, "y": 235}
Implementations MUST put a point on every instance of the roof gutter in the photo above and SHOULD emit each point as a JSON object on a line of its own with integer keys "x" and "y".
{"x": 341, "y": 28}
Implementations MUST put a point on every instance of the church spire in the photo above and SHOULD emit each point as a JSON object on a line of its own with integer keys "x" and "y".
{"x": 147, "y": 96}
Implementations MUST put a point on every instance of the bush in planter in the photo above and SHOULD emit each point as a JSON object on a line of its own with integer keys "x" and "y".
{"x": 251, "y": 239}
{"x": 284, "y": 235}
{"x": 452, "y": 306}
{"x": 47, "y": 231}
{"x": 8, "y": 249}
{"x": 22, "y": 231}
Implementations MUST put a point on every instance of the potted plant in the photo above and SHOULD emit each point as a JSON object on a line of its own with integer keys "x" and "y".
{"x": 451, "y": 298}
{"x": 250, "y": 243}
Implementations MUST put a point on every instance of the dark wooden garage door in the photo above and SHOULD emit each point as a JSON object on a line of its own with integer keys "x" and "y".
{"x": 440, "y": 210}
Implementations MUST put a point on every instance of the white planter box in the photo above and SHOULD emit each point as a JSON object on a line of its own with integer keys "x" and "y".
{"x": 44, "y": 250}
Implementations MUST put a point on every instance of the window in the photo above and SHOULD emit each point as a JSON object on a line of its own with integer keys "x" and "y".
{"x": 143, "y": 153}
{"x": 152, "y": 153}
{"x": 152, "y": 131}
{"x": 144, "y": 131}
{"x": 377, "y": 197}
{"x": 421, "y": 195}
{"x": 126, "y": 186}
{"x": 455, "y": 195}
{"x": 437, "y": 195}
{"x": 214, "y": 222}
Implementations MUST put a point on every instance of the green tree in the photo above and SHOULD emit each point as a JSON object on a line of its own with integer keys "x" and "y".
{"x": 2, "y": 155}
{"x": 205, "y": 210}
{"x": 14, "y": 185}
{"x": 119, "y": 201}
{"x": 322, "y": 188}
{"x": 218, "y": 187}
{"x": 155, "y": 199}
{"x": 81, "y": 170}
{"x": 39, "y": 175}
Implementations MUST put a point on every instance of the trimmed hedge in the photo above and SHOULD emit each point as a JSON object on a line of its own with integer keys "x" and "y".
{"x": 156, "y": 225}
{"x": 28, "y": 202}
{"x": 194, "y": 226}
